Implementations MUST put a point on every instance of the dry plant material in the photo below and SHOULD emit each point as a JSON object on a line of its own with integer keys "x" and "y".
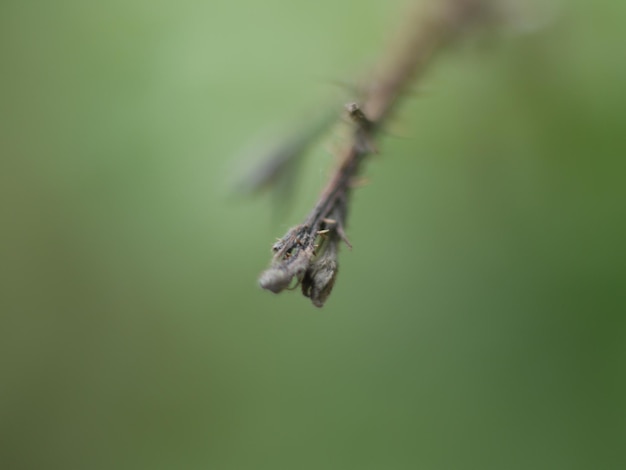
{"x": 307, "y": 255}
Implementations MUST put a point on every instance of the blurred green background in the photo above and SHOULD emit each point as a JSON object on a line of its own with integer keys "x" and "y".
{"x": 478, "y": 321}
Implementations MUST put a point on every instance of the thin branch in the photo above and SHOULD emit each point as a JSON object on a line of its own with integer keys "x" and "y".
{"x": 308, "y": 252}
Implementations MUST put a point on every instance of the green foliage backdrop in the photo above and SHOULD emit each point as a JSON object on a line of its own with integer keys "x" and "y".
{"x": 478, "y": 321}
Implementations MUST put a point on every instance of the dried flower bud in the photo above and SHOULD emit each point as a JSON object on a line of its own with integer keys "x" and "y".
{"x": 292, "y": 257}
{"x": 319, "y": 279}
{"x": 278, "y": 277}
{"x": 275, "y": 280}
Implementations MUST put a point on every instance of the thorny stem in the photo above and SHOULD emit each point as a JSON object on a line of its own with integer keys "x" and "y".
{"x": 308, "y": 252}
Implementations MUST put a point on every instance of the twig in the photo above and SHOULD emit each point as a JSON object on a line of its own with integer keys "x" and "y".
{"x": 308, "y": 252}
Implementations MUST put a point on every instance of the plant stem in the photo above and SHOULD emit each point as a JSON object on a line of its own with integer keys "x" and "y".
{"x": 299, "y": 254}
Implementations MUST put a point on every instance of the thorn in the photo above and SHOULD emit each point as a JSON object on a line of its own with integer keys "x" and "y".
{"x": 343, "y": 236}
{"x": 329, "y": 221}
{"x": 359, "y": 182}
{"x": 372, "y": 146}
{"x": 322, "y": 232}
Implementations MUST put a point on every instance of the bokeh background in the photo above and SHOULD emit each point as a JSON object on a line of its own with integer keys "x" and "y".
{"x": 478, "y": 322}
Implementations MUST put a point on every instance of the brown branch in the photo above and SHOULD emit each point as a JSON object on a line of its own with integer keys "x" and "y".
{"x": 308, "y": 252}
